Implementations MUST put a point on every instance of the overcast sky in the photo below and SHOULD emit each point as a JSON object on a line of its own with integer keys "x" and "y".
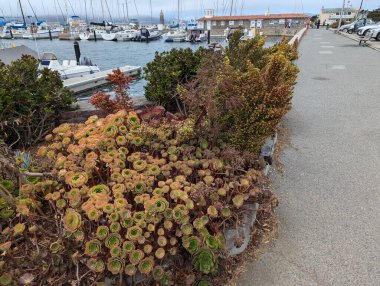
{"x": 189, "y": 8}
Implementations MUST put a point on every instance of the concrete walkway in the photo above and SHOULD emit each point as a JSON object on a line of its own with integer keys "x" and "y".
{"x": 330, "y": 191}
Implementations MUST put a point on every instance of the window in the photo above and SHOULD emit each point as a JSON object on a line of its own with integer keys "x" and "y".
{"x": 241, "y": 22}
{"x": 222, "y": 23}
{"x": 349, "y": 13}
{"x": 231, "y": 23}
{"x": 214, "y": 23}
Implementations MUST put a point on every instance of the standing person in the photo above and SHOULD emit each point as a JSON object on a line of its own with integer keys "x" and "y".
{"x": 318, "y": 23}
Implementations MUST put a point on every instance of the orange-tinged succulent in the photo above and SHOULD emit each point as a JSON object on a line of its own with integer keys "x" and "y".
{"x": 72, "y": 220}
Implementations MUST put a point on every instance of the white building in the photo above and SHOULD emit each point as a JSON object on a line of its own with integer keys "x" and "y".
{"x": 331, "y": 15}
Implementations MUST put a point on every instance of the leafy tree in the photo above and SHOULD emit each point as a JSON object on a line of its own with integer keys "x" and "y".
{"x": 374, "y": 15}
{"x": 167, "y": 71}
{"x": 31, "y": 101}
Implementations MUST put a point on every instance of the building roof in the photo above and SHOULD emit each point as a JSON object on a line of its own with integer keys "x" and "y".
{"x": 254, "y": 17}
{"x": 337, "y": 10}
{"x": 9, "y": 55}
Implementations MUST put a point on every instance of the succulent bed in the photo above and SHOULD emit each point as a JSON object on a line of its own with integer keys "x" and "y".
{"x": 127, "y": 201}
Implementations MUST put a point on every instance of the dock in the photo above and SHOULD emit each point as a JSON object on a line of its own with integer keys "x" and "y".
{"x": 89, "y": 82}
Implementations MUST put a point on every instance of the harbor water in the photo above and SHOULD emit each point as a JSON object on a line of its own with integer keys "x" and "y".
{"x": 109, "y": 55}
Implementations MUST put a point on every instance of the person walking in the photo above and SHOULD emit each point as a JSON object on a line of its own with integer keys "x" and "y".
{"x": 318, "y": 23}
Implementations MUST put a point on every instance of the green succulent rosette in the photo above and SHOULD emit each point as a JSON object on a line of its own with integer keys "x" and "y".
{"x": 134, "y": 232}
{"x": 93, "y": 247}
{"x": 158, "y": 272}
{"x": 102, "y": 232}
{"x": 115, "y": 265}
{"x": 136, "y": 256}
{"x": 112, "y": 240}
{"x": 146, "y": 265}
{"x": 205, "y": 261}
{"x": 192, "y": 244}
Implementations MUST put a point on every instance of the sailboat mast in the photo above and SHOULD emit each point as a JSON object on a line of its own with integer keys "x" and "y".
{"x": 22, "y": 12}
{"x": 178, "y": 14}
{"x": 151, "y": 12}
{"x": 127, "y": 8}
{"x": 108, "y": 9}
{"x": 85, "y": 10}
{"x": 101, "y": 3}
{"x": 118, "y": 9}
{"x": 232, "y": 7}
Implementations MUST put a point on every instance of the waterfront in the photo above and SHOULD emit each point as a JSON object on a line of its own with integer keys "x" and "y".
{"x": 108, "y": 54}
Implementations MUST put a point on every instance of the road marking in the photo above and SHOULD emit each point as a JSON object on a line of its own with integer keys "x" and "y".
{"x": 327, "y": 47}
{"x": 325, "y": 52}
{"x": 324, "y": 43}
{"x": 336, "y": 67}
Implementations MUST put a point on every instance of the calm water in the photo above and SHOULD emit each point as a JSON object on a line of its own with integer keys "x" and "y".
{"x": 108, "y": 55}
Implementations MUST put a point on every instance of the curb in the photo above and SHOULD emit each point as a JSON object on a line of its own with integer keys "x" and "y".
{"x": 249, "y": 219}
{"x": 357, "y": 40}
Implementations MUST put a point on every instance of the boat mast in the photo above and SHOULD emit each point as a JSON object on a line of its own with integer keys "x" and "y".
{"x": 92, "y": 9}
{"x": 232, "y": 6}
{"x": 151, "y": 12}
{"x": 178, "y": 14}
{"x": 118, "y": 9}
{"x": 85, "y": 10}
{"x": 108, "y": 9}
{"x": 127, "y": 8}
{"x": 101, "y": 3}
{"x": 22, "y": 12}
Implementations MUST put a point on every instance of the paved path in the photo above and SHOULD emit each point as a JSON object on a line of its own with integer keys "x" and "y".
{"x": 330, "y": 191}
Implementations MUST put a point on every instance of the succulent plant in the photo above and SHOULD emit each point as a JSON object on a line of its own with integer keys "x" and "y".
{"x": 56, "y": 246}
{"x": 93, "y": 247}
{"x": 146, "y": 265}
{"x": 115, "y": 265}
{"x": 134, "y": 194}
{"x": 205, "y": 261}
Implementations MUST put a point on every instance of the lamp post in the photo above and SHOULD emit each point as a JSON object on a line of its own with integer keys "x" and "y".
{"x": 341, "y": 15}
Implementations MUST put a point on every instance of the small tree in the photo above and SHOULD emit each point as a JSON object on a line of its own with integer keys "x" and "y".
{"x": 31, "y": 101}
{"x": 120, "y": 84}
{"x": 374, "y": 15}
{"x": 167, "y": 71}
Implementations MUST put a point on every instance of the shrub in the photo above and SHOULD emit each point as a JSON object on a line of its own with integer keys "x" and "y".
{"x": 31, "y": 101}
{"x": 374, "y": 15}
{"x": 120, "y": 84}
{"x": 241, "y": 102}
{"x": 167, "y": 71}
{"x": 130, "y": 197}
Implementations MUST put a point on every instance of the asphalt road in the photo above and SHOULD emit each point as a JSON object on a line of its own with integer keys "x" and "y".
{"x": 330, "y": 191}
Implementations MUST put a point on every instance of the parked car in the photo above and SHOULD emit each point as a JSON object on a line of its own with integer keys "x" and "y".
{"x": 345, "y": 28}
{"x": 366, "y": 30}
{"x": 358, "y": 24}
{"x": 376, "y": 34}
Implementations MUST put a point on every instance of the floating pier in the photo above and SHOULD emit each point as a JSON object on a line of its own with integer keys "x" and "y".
{"x": 89, "y": 82}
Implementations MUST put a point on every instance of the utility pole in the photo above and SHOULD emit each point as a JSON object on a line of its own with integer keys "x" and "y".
{"x": 361, "y": 6}
{"x": 341, "y": 15}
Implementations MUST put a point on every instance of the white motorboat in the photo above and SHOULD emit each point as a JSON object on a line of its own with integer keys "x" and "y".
{"x": 90, "y": 35}
{"x": 175, "y": 36}
{"x": 68, "y": 68}
{"x": 127, "y": 35}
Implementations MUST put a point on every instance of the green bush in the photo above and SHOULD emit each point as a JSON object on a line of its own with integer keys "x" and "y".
{"x": 243, "y": 97}
{"x": 31, "y": 101}
{"x": 167, "y": 71}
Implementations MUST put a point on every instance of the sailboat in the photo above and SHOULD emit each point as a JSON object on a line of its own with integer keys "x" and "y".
{"x": 41, "y": 30}
{"x": 177, "y": 35}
